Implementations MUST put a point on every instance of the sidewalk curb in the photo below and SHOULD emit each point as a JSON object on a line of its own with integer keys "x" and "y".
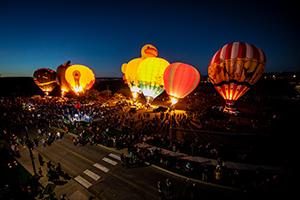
{"x": 193, "y": 179}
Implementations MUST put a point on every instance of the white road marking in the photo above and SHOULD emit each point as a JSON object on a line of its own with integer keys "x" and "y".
{"x": 92, "y": 174}
{"x": 114, "y": 156}
{"x": 83, "y": 182}
{"x": 109, "y": 161}
{"x": 101, "y": 167}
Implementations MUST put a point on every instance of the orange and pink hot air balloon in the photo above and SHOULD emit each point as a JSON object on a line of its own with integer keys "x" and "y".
{"x": 180, "y": 80}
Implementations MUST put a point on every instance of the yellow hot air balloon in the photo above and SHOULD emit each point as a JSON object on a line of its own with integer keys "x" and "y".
{"x": 130, "y": 69}
{"x": 150, "y": 75}
{"x": 148, "y": 50}
{"x": 131, "y": 76}
{"x": 123, "y": 68}
{"x": 80, "y": 78}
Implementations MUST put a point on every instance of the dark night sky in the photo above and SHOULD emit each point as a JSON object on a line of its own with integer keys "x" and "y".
{"x": 105, "y": 34}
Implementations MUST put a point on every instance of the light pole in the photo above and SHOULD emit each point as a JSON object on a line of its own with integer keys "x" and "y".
{"x": 30, "y": 152}
{"x": 171, "y": 129}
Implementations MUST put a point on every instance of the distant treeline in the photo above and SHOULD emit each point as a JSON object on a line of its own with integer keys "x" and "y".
{"x": 25, "y": 86}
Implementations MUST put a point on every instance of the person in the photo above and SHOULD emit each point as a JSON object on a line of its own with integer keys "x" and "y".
{"x": 159, "y": 189}
{"x": 49, "y": 164}
{"x": 44, "y": 142}
{"x": 218, "y": 174}
{"x": 58, "y": 168}
{"x": 235, "y": 178}
{"x": 36, "y": 142}
{"x": 123, "y": 159}
{"x": 41, "y": 161}
{"x": 58, "y": 136}
{"x": 40, "y": 172}
{"x": 168, "y": 189}
{"x": 63, "y": 197}
{"x": 194, "y": 191}
{"x": 75, "y": 141}
{"x": 205, "y": 174}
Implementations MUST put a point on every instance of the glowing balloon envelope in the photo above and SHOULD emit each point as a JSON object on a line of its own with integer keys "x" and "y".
{"x": 149, "y": 50}
{"x": 45, "y": 78}
{"x": 131, "y": 76}
{"x": 131, "y": 71}
{"x": 180, "y": 79}
{"x": 61, "y": 80}
{"x": 80, "y": 78}
{"x": 234, "y": 69}
{"x": 150, "y": 74}
{"x": 123, "y": 68}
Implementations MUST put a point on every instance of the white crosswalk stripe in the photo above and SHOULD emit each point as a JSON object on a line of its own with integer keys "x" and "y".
{"x": 83, "y": 182}
{"x": 109, "y": 161}
{"x": 114, "y": 156}
{"x": 101, "y": 167}
{"x": 92, "y": 174}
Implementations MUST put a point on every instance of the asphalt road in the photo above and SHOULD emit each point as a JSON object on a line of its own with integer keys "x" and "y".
{"x": 119, "y": 182}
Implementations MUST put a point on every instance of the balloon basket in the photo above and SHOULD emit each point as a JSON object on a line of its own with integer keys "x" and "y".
{"x": 230, "y": 108}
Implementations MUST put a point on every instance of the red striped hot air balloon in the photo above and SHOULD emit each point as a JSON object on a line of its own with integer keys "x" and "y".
{"x": 234, "y": 69}
{"x": 180, "y": 79}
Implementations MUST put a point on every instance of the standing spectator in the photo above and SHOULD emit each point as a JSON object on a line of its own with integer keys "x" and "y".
{"x": 43, "y": 142}
{"x": 41, "y": 161}
{"x": 58, "y": 168}
{"x": 159, "y": 189}
{"x": 40, "y": 172}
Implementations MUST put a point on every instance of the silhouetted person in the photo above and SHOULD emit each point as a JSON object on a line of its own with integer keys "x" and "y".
{"x": 40, "y": 172}
{"x": 63, "y": 197}
{"x": 58, "y": 168}
{"x": 41, "y": 161}
{"x": 49, "y": 164}
{"x": 159, "y": 189}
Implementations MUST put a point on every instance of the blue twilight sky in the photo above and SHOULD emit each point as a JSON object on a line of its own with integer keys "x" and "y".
{"x": 105, "y": 34}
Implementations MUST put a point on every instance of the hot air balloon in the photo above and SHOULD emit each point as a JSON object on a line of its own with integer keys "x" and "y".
{"x": 61, "y": 80}
{"x": 131, "y": 76}
{"x": 45, "y": 78}
{"x": 130, "y": 69}
{"x": 123, "y": 68}
{"x": 148, "y": 50}
{"x": 180, "y": 79}
{"x": 80, "y": 78}
{"x": 150, "y": 74}
{"x": 234, "y": 69}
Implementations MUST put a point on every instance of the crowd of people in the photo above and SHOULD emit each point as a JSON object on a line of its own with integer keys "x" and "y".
{"x": 110, "y": 122}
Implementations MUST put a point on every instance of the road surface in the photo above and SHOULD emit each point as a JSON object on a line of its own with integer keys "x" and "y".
{"x": 97, "y": 171}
